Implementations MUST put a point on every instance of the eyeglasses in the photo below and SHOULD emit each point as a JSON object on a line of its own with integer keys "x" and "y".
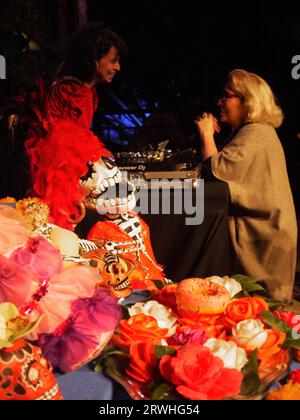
{"x": 226, "y": 95}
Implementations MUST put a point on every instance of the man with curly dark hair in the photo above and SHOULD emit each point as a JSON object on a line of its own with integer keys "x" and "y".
{"x": 93, "y": 54}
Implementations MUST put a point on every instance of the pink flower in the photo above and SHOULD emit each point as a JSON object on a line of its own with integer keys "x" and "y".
{"x": 185, "y": 335}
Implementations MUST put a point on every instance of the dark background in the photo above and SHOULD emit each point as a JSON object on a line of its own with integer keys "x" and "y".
{"x": 179, "y": 54}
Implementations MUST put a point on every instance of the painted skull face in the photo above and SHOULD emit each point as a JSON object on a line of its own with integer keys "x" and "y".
{"x": 106, "y": 189}
{"x": 25, "y": 374}
{"x": 114, "y": 272}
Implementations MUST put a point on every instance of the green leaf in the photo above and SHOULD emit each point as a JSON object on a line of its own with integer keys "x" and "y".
{"x": 245, "y": 279}
{"x": 116, "y": 365}
{"x": 161, "y": 351}
{"x": 274, "y": 322}
{"x": 249, "y": 284}
{"x": 254, "y": 288}
{"x": 251, "y": 382}
{"x": 274, "y": 304}
{"x": 290, "y": 342}
{"x": 159, "y": 284}
{"x": 164, "y": 392}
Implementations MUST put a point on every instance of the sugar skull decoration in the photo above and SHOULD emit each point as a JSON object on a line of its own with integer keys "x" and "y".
{"x": 114, "y": 271}
{"x": 25, "y": 374}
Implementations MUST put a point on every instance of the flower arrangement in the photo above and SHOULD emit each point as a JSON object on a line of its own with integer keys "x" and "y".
{"x": 164, "y": 350}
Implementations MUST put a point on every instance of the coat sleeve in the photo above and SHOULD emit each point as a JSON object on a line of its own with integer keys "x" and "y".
{"x": 237, "y": 158}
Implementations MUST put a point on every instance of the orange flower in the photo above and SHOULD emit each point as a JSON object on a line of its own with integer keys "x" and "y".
{"x": 199, "y": 320}
{"x": 138, "y": 328}
{"x": 245, "y": 308}
{"x": 277, "y": 359}
{"x": 271, "y": 346}
{"x": 143, "y": 365}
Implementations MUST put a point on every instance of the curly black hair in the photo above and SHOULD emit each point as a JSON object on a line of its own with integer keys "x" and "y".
{"x": 89, "y": 44}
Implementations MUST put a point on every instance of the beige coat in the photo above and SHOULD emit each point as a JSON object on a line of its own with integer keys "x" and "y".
{"x": 262, "y": 220}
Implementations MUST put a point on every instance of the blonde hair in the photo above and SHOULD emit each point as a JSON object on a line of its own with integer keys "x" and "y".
{"x": 258, "y": 99}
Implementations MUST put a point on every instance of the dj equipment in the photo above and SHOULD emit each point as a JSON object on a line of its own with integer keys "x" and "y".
{"x": 160, "y": 163}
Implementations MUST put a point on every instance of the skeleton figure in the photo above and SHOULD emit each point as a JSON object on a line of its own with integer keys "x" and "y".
{"x": 114, "y": 271}
{"x": 106, "y": 189}
{"x": 131, "y": 225}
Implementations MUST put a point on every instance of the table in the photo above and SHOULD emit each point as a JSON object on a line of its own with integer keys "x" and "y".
{"x": 188, "y": 251}
{"x": 196, "y": 250}
{"x": 84, "y": 384}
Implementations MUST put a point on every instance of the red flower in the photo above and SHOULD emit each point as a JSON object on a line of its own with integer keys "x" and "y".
{"x": 143, "y": 363}
{"x": 295, "y": 376}
{"x": 291, "y": 318}
{"x": 198, "y": 375}
{"x": 167, "y": 296}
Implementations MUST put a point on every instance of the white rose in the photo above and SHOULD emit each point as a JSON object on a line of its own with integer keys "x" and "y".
{"x": 3, "y": 329}
{"x": 230, "y": 284}
{"x": 233, "y": 356}
{"x": 164, "y": 316}
{"x": 250, "y": 333}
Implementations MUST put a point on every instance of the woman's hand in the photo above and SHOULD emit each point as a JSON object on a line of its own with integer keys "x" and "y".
{"x": 207, "y": 125}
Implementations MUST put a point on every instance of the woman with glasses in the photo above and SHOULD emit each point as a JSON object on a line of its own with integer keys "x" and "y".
{"x": 262, "y": 219}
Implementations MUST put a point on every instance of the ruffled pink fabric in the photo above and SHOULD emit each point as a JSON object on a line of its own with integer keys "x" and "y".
{"x": 63, "y": 289}
{"x": 83, "y": 336}
{"x": 15, "y": 282}
{"x": 42, "y": 257}
{"x": 13, "y": 230}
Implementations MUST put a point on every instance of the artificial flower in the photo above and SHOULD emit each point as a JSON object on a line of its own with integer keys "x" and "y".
{"x": 245, "y": 308}
{"x": 230, "y": 284}
{"x": 233, "y": 356}
{"x": 167, "y": 296}
{"x": 199, "y": 375}
{"x": 138, "y": 328}
{"x": 143, "y": 365}
{"x": 282, "y": 358}
{"x": 290, "y": 391}
{"x": 291, "y": 318}
{"x": 272, "y": 345}
{"x": 249, "y": 334}
{"x": 295, "y": 376}
{"x": 185, "y": 335}
{"x": 164, "y": 316}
